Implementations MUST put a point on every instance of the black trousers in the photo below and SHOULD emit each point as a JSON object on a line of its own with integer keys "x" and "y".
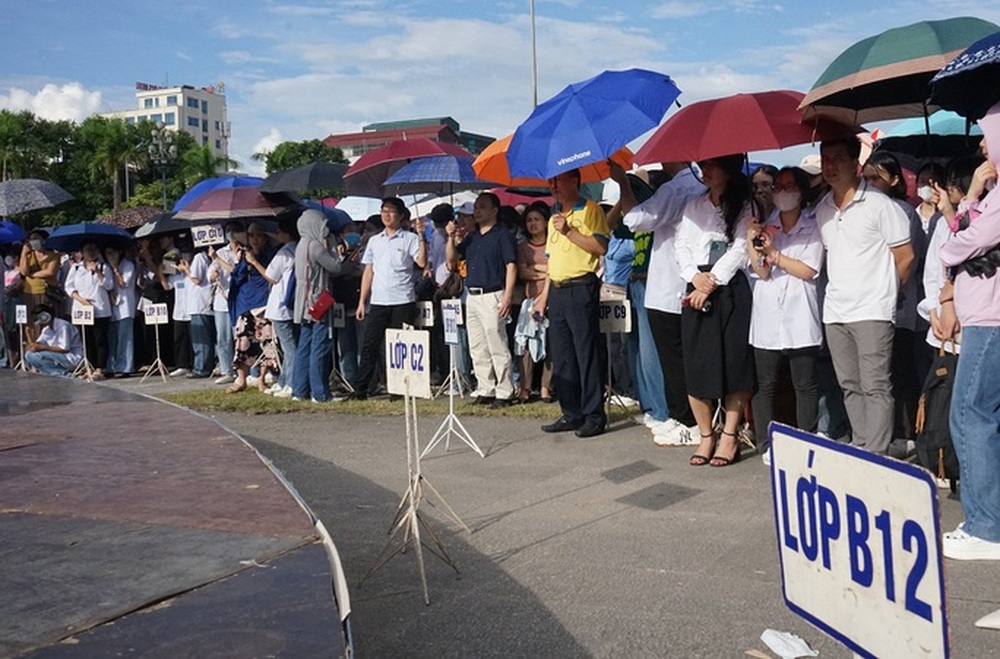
{"x": 183, "y": 353}
{"x": 575, "y": 337}
{"x": 97, "y": 342}
{"x": 802, "y": 364}
{"x": 378, "y": 319}
{"x": 666, "y": 329}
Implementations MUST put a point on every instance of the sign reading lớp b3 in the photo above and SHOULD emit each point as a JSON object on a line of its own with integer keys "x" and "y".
{"x": 858, "y": 539}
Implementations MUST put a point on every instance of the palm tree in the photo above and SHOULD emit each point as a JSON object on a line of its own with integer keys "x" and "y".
{"x": 200, "y": 163}
{"x": 113, "y": 142}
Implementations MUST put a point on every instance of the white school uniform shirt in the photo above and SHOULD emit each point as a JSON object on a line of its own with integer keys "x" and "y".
{"x": 60, "y": 334}
{"x": 786, "y": 311}
{"x": 279, "y": 270}
{"x": 90, "y": 286}
{"x": 200, "y": 295}
{"x": 861, "y": 271}
{"x": 221, "y": 285}
{"x": 126, "y": 295}
{"x": 702, "y": 225}
{"x": 662, "y": 214}
{"x": 181, "y": 285}
{"x": 934, "y": 280}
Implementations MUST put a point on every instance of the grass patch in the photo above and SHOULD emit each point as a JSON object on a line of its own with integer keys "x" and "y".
{"x": 252, "y": 401}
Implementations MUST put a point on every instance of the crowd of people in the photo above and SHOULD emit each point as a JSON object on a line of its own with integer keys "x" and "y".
{"x": 817, "y": 294}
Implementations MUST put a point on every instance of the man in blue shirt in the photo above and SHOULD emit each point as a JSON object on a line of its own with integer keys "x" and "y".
{"x": 393, "y": 260}
{"x": 490, "y": 254}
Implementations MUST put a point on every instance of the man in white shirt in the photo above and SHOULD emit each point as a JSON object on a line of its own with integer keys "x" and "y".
{"x": 867, "y": 238}
{"x": 57, "y": 348}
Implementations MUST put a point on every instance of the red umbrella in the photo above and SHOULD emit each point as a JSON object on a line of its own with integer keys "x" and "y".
{"x": 366, "y": 177}
{"x": 735, "y": 124}
{"x": 235, "y": 203}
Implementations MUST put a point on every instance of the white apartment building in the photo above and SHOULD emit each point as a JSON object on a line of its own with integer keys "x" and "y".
{"x": 200, "y": 112}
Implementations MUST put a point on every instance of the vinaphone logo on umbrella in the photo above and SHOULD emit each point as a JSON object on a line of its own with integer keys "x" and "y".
{"x": 573, "y": 158}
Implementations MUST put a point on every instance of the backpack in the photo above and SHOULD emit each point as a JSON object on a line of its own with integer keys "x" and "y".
{"x": 935, "y": 450}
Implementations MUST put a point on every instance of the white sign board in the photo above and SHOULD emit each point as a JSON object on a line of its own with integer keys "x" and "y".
{"x": 615, "y": 316}
{"x": 207, "y": 234}
{"x": 456, "y": 305}
{"x": 450, "y": 325}
{"x": 82, "y": 314}
{"x": 408, "y": 362}
{"x": 425, "y": 314}
{"x": 21, "y": 314}
{"x": 157, "y": 314}
{"x": 339, "y": 315}
{"x": 858, "y": 543}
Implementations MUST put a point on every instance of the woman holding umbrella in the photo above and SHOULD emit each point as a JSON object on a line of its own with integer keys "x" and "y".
{"x": 711, "y": 252}
{"x": 248, "y": 292}
{"x": 39, "y": 267}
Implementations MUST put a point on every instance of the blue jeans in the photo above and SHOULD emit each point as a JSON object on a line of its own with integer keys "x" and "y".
{"x": 50, "y": 363}
{"x": 349, "y": 348}
{"x": 202, "y": 338}
{"x": 225, "y": 342}
{"x": 311, "y": 376}
{"x": 286, "y": 331}
{"x": 975, "y": 430}
{"x": 642, "y": 353}
{"x": 121, "y": 347}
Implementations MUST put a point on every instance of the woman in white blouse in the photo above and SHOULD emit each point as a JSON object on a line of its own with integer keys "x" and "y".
{"x": 711, "y": 251}
{"x": 89, "y": 283}
{"x": 786, "y": 257}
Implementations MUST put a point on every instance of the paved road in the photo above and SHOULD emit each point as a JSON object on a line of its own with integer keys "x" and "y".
{"x": 604, "y": 547}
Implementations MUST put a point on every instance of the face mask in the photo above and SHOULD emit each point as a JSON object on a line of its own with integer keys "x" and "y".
{"x": 786, "y": 200}
{"x": 35, "y": 244}
{"x": 926, "y": 193}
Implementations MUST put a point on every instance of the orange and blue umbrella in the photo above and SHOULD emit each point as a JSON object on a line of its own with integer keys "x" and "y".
{"x": 589, "y": 121}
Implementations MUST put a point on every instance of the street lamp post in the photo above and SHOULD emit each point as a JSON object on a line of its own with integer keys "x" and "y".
{"x": 162, "y": 152}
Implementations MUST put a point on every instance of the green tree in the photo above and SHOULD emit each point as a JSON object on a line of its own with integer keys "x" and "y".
{"x": 113, "y": 143}
{"x": 289, "y": 155}
{"x": 200, "y": 163}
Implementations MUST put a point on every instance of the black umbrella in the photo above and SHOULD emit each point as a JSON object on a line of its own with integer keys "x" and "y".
{"x": 162, "y": 224}
{"x": 968, "y": 84}
{"x": 20, "y": 195}
{"x": 314, "y": 176}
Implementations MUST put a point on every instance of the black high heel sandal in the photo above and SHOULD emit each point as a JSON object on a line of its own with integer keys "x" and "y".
{"x": 722, "y": 461}
{"x": 699, "y": 460}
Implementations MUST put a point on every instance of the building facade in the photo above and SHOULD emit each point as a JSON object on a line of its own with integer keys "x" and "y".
{"x": 376, "y": 135}
{"x": 200, "y": 112}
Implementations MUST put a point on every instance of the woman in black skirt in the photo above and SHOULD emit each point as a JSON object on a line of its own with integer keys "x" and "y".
{"x": 711, "y": 251}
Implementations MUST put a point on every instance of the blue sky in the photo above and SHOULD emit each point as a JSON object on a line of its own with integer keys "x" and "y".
{"x": 301, "y": 70}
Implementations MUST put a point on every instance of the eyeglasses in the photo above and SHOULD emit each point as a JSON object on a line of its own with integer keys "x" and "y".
{"x": 791, "y": 187}
{"x": 390, "y": 211}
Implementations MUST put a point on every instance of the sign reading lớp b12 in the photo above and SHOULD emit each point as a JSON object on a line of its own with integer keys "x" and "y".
{"x": 858, "y": 539}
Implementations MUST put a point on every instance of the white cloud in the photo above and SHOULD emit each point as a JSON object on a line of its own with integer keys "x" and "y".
{"x": 54, "y": 102}
{"x": 678, "y": 9}
{"x": 184, "y": 56}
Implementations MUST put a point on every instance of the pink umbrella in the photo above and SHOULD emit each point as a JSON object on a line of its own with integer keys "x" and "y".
{"x": 236, "y": 203}
{"x": 366, "y": 177}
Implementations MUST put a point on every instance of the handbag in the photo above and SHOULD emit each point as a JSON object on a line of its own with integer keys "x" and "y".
{"x": 321, "y": 305}
{"x": 451, "y": 287}
{"x": 935, "y": 450}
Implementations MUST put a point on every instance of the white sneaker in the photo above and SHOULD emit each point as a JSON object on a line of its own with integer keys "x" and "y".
{"x": 226, "y": 379}
{"x": 252, "y": 380}
{"x": 663, "y": 427}
{"x": 179, "y": 372}
{"x": 672, "y": 433}
{"x": 285, "y": 392}
{"x": 270, "y": 379}
{"x": 766, "y": 457}
{"x": 961, "y": 546}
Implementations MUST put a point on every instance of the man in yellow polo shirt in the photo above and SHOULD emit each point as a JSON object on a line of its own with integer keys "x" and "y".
{"x": 578, "y": 237}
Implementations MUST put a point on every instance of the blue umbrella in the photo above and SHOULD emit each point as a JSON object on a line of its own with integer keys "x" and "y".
{"x": 71, "y": 237}
{"x": 209, "y": 184}
{"x": 11, "y": 232}
{"x": 968, "y": 83}
{"x": 589, "y": 121}
{"x": 941, "y": 122}
{"x": 439, "y": 175}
